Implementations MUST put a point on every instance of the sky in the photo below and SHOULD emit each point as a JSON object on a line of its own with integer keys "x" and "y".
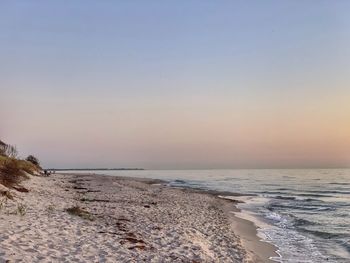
{"x": 177, "y": 84}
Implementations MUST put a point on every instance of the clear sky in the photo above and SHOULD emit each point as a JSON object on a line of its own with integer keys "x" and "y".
{"x": 177, "y": 84}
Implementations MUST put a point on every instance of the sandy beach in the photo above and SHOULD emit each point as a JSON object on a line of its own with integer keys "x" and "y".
{"x": 95, "y": 218}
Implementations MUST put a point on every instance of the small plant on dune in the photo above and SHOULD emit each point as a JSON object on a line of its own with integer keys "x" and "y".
{"x": 51, "y": 208}
{"x": 21, "y": 209}
{"x": 7, "y": 195}
{"x": 2, "y": 203}
{"x": 78, "y": 211}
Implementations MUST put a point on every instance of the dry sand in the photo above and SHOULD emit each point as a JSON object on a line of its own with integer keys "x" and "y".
{"x": 122, "y": 220}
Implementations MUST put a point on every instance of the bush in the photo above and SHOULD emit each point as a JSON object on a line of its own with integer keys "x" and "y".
{"x": 33, "y": 160}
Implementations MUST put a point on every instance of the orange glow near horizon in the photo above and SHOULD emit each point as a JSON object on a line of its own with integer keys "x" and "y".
{"x": 194, "y": 133}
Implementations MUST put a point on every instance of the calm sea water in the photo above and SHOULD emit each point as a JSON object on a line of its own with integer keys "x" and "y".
{"x": 305, "y": 213}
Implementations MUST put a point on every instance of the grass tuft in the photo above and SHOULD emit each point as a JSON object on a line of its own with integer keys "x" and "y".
{"x": 21, "y": 209}
{"x": 51, "y": 208}
{"x": 6, "y": 194}
{"x": 78, "y": 211}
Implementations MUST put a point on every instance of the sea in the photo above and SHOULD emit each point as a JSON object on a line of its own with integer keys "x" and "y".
{"x": 305, "y": 213}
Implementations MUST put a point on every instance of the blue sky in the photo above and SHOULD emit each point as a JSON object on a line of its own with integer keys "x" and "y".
{"x": 157, "y": 83}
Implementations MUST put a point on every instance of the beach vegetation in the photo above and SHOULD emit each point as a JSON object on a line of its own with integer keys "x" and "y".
{"x": 14, "y": 170}
{"x": 11, "y": 173}
{"x": 7, "y": 194}
{"x": 78, "y": 211}
{"x": 21, "y": 209}
{"x": 2, "y": 148}
{"x": 8, "y": 150}
{"x": 51, "y": 208}
{"x": 23, "y": 165}
{"x": 28, "y": 167}
{"x": 32, "y": 159}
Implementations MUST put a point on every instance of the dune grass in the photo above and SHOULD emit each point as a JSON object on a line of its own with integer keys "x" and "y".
{"x": 2, "y": 159}
{"x": 22, "y": 164}
{"x": 14, "y": 171}
{"x": 10, "y": 173}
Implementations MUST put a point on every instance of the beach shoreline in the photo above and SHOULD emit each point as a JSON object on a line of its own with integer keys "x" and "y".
{"x": 124, "y": 218}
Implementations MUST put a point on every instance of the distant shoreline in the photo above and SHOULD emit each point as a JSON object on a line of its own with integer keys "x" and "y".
{"x": 95, "y": 169}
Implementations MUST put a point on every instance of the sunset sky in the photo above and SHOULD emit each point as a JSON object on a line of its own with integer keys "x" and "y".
{"x": 177, "y": 84}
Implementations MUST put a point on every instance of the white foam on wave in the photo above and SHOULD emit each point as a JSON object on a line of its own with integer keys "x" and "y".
{"x": 293, "y": 246}
{"x": 274, "y": 216}
{"x": 276, "y": 229}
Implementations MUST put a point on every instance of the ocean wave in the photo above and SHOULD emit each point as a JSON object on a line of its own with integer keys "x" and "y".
{"x": 289, "y": 205}
{"x": 297, "y": 206}
{"x": 311, "y": 200}
{"x": 179, "y": 181}
{"x": 344, "y": 183}
{"x": 284, "y": 197}
{"x": 342, "y": 214}
{"x": 292, "y": 198}
{"x": 306, "y": 194}
{"x": 346, "y": 244}
{"x": 276, "y": 193}
{"x": 318, "y": 193}
{"x": 298, "y": 199}
{"x": 276, "y": 217}
{"x": 314, "y": 195}
{"x": 329, "y": 191}
{"x": 323, "y": 234}
{"x": 302, "y": 222}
